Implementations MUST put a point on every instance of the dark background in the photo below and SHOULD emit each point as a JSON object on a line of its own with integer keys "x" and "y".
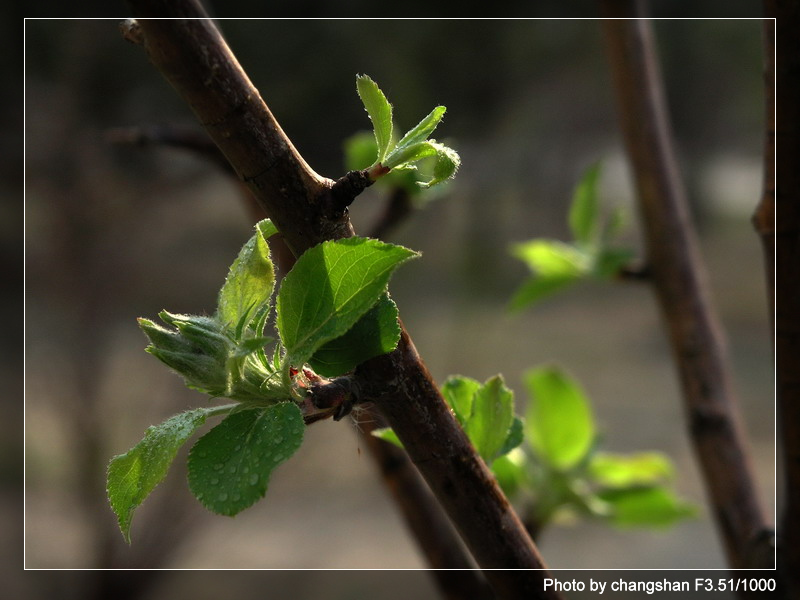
{"x": 114, "y": 232}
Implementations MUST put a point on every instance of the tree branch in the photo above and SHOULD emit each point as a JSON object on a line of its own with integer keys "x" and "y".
{"x": 680, "y": 286}
{"x": 430, "y": 527}
{"x": 196, "y": 61}
{"x": 785, "y": 197}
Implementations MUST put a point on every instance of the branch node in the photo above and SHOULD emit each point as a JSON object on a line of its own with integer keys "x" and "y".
{"x": 346, "y": 188}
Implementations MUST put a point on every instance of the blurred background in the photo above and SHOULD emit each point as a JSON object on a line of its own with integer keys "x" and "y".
{"x": 114, "y": 232}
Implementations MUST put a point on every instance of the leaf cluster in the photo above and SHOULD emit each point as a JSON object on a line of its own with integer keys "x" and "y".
{"x": 550, "y": 461}
{"x": 560, "y": 470}
{"x": 592, "y": 254}
{"x": 400, "y": 155}
{"x": 332, "y": 312}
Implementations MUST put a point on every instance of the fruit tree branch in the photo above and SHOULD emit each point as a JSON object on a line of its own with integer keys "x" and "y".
{"x": 194, "y": 58}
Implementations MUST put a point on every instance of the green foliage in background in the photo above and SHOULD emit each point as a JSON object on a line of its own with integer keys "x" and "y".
{"x": 332, "y": 312}
{"x": 592, "y": 254}
{"x": 549, "y": 462}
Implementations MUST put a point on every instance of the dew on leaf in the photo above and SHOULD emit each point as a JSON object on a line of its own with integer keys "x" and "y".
{"x": 222, "y": 497}
{"x": 253, "y": 479}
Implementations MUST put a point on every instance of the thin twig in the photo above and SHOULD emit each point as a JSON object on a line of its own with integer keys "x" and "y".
{"x": 680, "y": 286}
{"x": 786, "y": 231}
{"x": 193, "y": 57}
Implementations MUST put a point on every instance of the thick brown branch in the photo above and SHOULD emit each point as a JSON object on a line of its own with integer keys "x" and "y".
{"x": 787, "y": 265}
{"x": 680, "y": 285}
{"x": 193, "y": 57}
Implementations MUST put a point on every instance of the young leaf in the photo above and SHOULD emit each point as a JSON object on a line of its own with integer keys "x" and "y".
{"x": 510, "y": 471}
{"x": 620, "y": 470}
{"x": 551, "y": 258}
{"x": 515, "y": 436}
{"x": 583, "y": 212}
{"x": 559, "y": 421}
{"x": 492, "y": 416}
{"x": 447, "y": 163}
{"x": 540, "y": 287}
{"x": 230, "y": 466}
{"x": 646, "y": 507}
{"x": 376, "y": 333}
{"x": 458, "y": 392}
{"x": 133, "y": 475}
{"x": 423, "y": 129}
{"x": 379, "y": 111}
{"x": 330, "y": 288}
{"x": 447, "y": 159}
{"x": 248, "y": 287}
{"x": 197, "y": 350}
{"x": 403, "y": 155}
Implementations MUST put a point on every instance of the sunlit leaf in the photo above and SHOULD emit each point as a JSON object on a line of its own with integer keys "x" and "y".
{"x": 654, "y": 506}
{"x": 379, "y": 111}
{"x": 133, "y": 475}
{"x": 559, "y": 422}
{"x": 492, "y": 416}
{"x": 622, "y": 470}
{"x": 330, "y": 287}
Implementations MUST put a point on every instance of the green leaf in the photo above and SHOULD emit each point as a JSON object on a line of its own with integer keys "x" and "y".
{"x": 248, "y": 288}
{"x": 559, "y": 422}
{"x": 197, "y": 350}
{"x": 510, "y": 471}
{"x": 133, "y": 475}
{"x": 537, "y": 288}
{"x": 583, "y": 212}
{"x": 515, "y": 436}
{"x": 447, "y": 160}
{"x": 330, "y": 288}
{"x": 376, "y": 333}
{"x": 623, "y": 470}
{"x": 401, "y": 156}
{"x": 230, "y": 466}
{"x": 388, "y": 435}
{"x": 646, "y": 507}
{"x": 359, "y": 151}
{"x": 379, "y": 111}
{"x": 552, "y": 259}
{"x": 424, "y": 128}
{"x": 615, "y": 224}
{"x": 447, "y": 163}
{"x": 459, "y": 391}
{"x": 492, "y": 416}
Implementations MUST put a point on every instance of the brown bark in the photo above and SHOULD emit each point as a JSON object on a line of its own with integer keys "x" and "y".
{"x": 192, "y": 56}
{"x": 680, "y": 285}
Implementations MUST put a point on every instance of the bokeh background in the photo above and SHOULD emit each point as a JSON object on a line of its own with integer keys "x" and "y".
{"x": 114, "y": 232}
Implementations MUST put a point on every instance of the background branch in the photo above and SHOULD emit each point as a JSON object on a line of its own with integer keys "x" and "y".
{"x": 680, "y": 286}
{"x": 191, "y": 54}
